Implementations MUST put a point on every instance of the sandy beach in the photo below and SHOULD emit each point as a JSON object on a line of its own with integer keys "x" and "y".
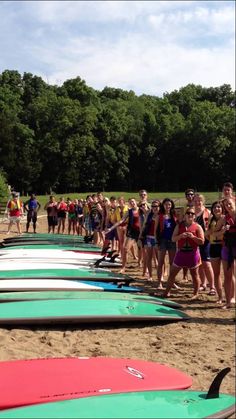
{"x": 200, "y": 347}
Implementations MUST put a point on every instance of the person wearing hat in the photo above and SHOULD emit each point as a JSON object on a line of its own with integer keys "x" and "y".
{"x": 15, "y": 212}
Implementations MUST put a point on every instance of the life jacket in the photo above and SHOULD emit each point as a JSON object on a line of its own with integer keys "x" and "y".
{"x": 161, "y": 224}
{"x": 149, "y": 226}
{"x": 187, "y": 244}
{"x": 203, "y": 219}
{"x": 14, "y": 205}
{"x": 133, "y": 221}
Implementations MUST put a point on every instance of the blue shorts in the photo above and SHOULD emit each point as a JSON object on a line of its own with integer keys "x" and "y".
{"x": 205, "y": 251}
{"x": 150, "y": 241}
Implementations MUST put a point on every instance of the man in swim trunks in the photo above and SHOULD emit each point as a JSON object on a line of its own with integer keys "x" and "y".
{"x": 32, "y": 207}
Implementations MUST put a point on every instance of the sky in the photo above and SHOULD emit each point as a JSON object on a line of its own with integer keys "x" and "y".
{"x": 150, "y": 47}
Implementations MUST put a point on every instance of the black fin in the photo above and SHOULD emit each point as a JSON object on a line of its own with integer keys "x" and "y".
{"x": 213, "y": 392}
{"x": 97, "y": 263}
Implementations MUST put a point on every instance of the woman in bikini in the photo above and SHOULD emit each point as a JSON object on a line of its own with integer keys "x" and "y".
{"x": 205, "y": 269}
{"x": 215, "y": 236}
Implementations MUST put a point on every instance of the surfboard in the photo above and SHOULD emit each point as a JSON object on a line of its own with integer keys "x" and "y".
{"x": 75, "y": 248}
{"x": 62, "y": 285}
{"x": 85, "y": 311}
{"x": 50, "y": 254}
{"x": 54, "y": 379}
{"x": 102, "y": 263}
{"x": 174, "y": 404}
{"x": 44, "y": 295}
{"x": 49, "y": 236}
{"x": 79, "y": 273}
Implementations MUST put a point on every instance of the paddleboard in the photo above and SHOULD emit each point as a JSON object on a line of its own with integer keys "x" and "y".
{"x": 85, "y": 311}
{"x": 49, "y": 254}
{"x": 78, "y": 273}
{"x": 102, "y": 263}
{"x": 174, "y": 404}
{"x": 54, "y": 379}
{"x": 62, "y": 285}
{"x": 44, "y": 295}
{"x": 77, "y": 249}
{"x": 49, "y": 236}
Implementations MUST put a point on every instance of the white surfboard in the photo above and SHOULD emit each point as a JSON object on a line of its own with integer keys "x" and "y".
{"x": 44, "y": 284}
{"x": 48, "y": 253}
{"x": 21, "y": 264}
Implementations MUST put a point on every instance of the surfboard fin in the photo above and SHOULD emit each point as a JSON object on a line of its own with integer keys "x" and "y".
{"x": 213, "y": 392}
{"x": 97, "y": 263}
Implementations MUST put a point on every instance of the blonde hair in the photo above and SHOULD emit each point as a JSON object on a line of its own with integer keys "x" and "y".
{"x": 201, "y": 197}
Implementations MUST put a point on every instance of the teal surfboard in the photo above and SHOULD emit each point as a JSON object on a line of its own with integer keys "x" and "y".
{"x": 179, "y": 404}
{"x": 87, "y": 273}
{"x": 85, "y": 310}
{"x": 49, "y": 295}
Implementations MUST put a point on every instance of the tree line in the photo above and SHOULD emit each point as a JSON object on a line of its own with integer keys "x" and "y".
{"x": 74, "y": 138}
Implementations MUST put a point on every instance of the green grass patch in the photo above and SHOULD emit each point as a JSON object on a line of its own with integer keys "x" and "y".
{"x": 178, "y": 197}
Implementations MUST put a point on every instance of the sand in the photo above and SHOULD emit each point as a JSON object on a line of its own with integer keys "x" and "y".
{"x": 200, "y": 347}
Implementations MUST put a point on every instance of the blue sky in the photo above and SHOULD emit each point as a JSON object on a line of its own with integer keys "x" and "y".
{"x": 150, "y": 47}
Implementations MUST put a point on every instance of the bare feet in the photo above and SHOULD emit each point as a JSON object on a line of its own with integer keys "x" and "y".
{"x": 226, "y": 307}
{"x": 194, "y": 297}
{"x": 159, "y": 286}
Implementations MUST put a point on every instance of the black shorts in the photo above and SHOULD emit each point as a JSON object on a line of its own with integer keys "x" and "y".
{"x": 133, "y": 234}
{"x": 31, "y": 216}
{"x": 215, "y": 250}
{"x": 52, "y": 221}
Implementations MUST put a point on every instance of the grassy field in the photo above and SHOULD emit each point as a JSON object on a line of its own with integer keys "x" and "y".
{"x": 178, "y": 197}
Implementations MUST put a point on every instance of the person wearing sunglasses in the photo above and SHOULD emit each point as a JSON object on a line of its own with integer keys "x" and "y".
{"x": 188, "y": 235}
{"x": 189, "y": 195}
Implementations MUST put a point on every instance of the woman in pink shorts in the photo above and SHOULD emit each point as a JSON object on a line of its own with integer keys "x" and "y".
{"x": 188, "y": 235}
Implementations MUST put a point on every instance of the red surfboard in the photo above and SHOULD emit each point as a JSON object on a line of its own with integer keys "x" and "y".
{"x": 25, "y": 382}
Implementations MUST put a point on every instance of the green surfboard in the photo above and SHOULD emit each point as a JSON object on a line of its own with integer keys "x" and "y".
{"x": 80, "y": 247}
{"x": 149, "y": 404}
{"x": 85, "y": 310}
{"x": 87, "y": 273}
{"x": 49, "y": 295}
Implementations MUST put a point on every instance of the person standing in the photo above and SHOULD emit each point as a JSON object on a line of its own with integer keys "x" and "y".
{"x": 188, "y": 235}
{"x": 15, "y": 212}
{"x": 51, "y": 208}
{"x": 205, "y": 269}
{"x": 148, "y": 235}
{"x": 61, "y": 214}
{"x": 32, "y": 206}
{"x": 166, "y": 223}
{"x": 215, "y": 236}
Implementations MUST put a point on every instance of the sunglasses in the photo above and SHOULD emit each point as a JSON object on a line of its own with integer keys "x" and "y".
{"x": 155, "y": 206}
{"x": 190, "y": 213}
{"x": 189, "y": 194}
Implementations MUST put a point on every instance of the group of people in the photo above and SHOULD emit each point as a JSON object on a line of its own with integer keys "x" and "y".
{"x": 192, "y": 237}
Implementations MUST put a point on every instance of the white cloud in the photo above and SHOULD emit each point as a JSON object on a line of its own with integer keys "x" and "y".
{"x": 147, "y": 46}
